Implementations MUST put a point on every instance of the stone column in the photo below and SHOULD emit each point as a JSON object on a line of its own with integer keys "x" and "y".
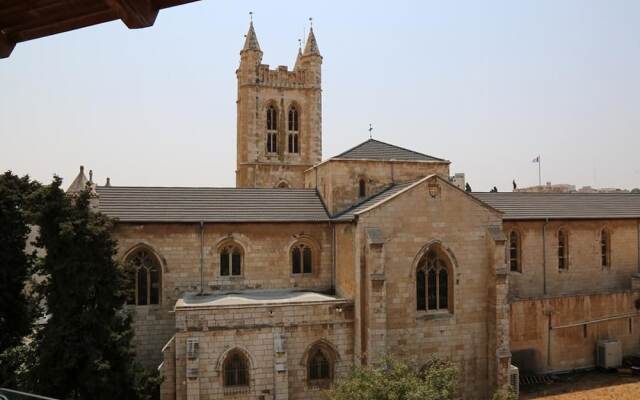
{"x": 280, "y": 370}
{"x": 376, "y": 296}
{"x": 499, "y": 354}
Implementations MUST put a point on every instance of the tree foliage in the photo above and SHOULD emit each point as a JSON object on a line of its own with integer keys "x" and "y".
{"x": 83, "y": 351}
{"x": 395, "y": 380}
{"x": 16, "y": 310}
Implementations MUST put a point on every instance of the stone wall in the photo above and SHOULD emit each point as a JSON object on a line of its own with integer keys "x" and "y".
{"x": 255, "y": 330}
{"x": 386, "y": 307}
{"x": 266, "y": 265}
{"x": 337, "y": 180}
{"x": 345, "y": 253}
{"x": 561, "y": 333}
{"x": 540, "y": 275}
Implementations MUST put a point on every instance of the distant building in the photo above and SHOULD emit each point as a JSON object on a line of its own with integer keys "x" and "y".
{"x": 566, "y": 188}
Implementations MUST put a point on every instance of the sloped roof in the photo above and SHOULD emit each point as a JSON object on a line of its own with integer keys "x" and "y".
{"x": 350, "y": 213}
{"x": 194, "y": 204}
{"x": 376, "y": 150}
{"x": 523, "y": 205}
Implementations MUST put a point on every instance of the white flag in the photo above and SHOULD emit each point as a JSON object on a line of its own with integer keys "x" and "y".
{"x": 536, "y": 160}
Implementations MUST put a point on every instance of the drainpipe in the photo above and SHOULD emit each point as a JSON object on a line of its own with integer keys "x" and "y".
{"x": 201, "y": 257}
{"x": 638, "y": 246}
{"x": 333, "y": 257}
{"x": 544, "y": 259}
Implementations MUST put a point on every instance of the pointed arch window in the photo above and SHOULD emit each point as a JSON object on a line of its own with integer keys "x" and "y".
{"x": 236, "y": 370}
{"x": 147, "y": 278}
{"x": 605, "y": 248}
{"x": 433, "y": 282}
{"x": 514, "y": 252}
{"x": 231, "y": 260}
{"x": 563, "y": 250}
{"x": 301, "y": 259}
{"x": 272, "y": 130}
{"x": 320, "y": 366}
{"x": 292, "y": 137}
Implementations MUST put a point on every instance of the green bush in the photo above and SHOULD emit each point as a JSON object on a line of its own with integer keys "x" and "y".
{"x": 395, "y": 380}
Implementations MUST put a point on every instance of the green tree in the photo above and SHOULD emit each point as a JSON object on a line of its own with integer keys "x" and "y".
{"x": 398, "y": 381}
{"x": 16, "y": 309}
{"x": 83, "y": 351}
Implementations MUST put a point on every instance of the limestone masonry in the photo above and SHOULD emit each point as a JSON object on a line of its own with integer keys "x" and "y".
{"x": 275, "y": 289}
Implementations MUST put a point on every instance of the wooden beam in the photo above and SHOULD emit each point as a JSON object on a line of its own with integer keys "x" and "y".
{"x": 134, "y": 13}
{"x": 6, "y": 45}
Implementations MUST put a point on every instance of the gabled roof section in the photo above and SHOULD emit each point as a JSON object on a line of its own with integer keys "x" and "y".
{"x": 194, "y": 204}
{"x": 350, "y": 213}
{"x": 540, "y": 206}
{"x": 396, "y": 190}
{"x": 373, "y": 149}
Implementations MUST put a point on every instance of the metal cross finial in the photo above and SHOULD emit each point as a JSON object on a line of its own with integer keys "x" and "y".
{"x": 311, "y": 22}
{"x": 300, "y": 43}
{"x": 370, "y": 129}
{"x": 251, "y": 16}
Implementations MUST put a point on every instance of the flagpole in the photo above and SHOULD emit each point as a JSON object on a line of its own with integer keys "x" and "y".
{"x": 539, "y": 171}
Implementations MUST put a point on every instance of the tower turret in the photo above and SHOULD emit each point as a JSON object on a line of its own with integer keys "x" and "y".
{"x": 250, "y": 57}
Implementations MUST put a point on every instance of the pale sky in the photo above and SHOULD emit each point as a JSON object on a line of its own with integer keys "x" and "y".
{"x": 488, "y": 85}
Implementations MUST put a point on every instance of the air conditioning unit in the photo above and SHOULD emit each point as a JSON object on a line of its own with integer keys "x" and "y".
{"x": 609, "y": 354}
{"x": 192, "y": 348}
{"x": 514, "y": 379}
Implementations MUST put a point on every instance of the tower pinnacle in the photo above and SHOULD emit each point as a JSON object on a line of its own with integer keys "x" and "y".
{"x": 251, "y": 41}
{"x": 311, "y": 48}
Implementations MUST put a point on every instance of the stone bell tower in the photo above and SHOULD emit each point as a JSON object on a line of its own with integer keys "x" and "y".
{"x": 279, "y": 117}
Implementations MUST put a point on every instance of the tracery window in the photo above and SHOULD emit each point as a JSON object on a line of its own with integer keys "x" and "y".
{"x": 292, "y": 138}
{"x": 236, "y": 370}
{"x": 272, "y": 130}
{"x": 301, "y": 259}
{"x": 231, "y": 260}
{"x": 318, "y": 367}
{"x": 563, "y": 250}
{"x": 514, "y": 251}
{"x": 147, "y": 278}
{"x": 605, "y": 248}
{"x": 432, "y": 283}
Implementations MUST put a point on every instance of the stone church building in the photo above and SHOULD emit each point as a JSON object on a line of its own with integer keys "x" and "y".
{"x": 276, "y": 288}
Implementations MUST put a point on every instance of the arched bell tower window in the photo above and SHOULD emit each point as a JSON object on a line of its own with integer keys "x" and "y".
{"x": 272, "y": 130}
{"x": 433, "y": 283}
{"x": 148, "y": 278}
{"x": 292, "y": 137}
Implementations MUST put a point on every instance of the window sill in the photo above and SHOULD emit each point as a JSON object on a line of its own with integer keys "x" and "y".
{"x": 234, "y": 390}
{"x": 321, "y": 384}
{"x": 434, "y": 315}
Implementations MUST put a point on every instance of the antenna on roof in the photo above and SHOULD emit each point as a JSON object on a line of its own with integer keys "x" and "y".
{"x": 370, "y": 129}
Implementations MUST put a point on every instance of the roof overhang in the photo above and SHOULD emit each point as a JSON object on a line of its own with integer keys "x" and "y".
{"x": 22, "y": 20}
